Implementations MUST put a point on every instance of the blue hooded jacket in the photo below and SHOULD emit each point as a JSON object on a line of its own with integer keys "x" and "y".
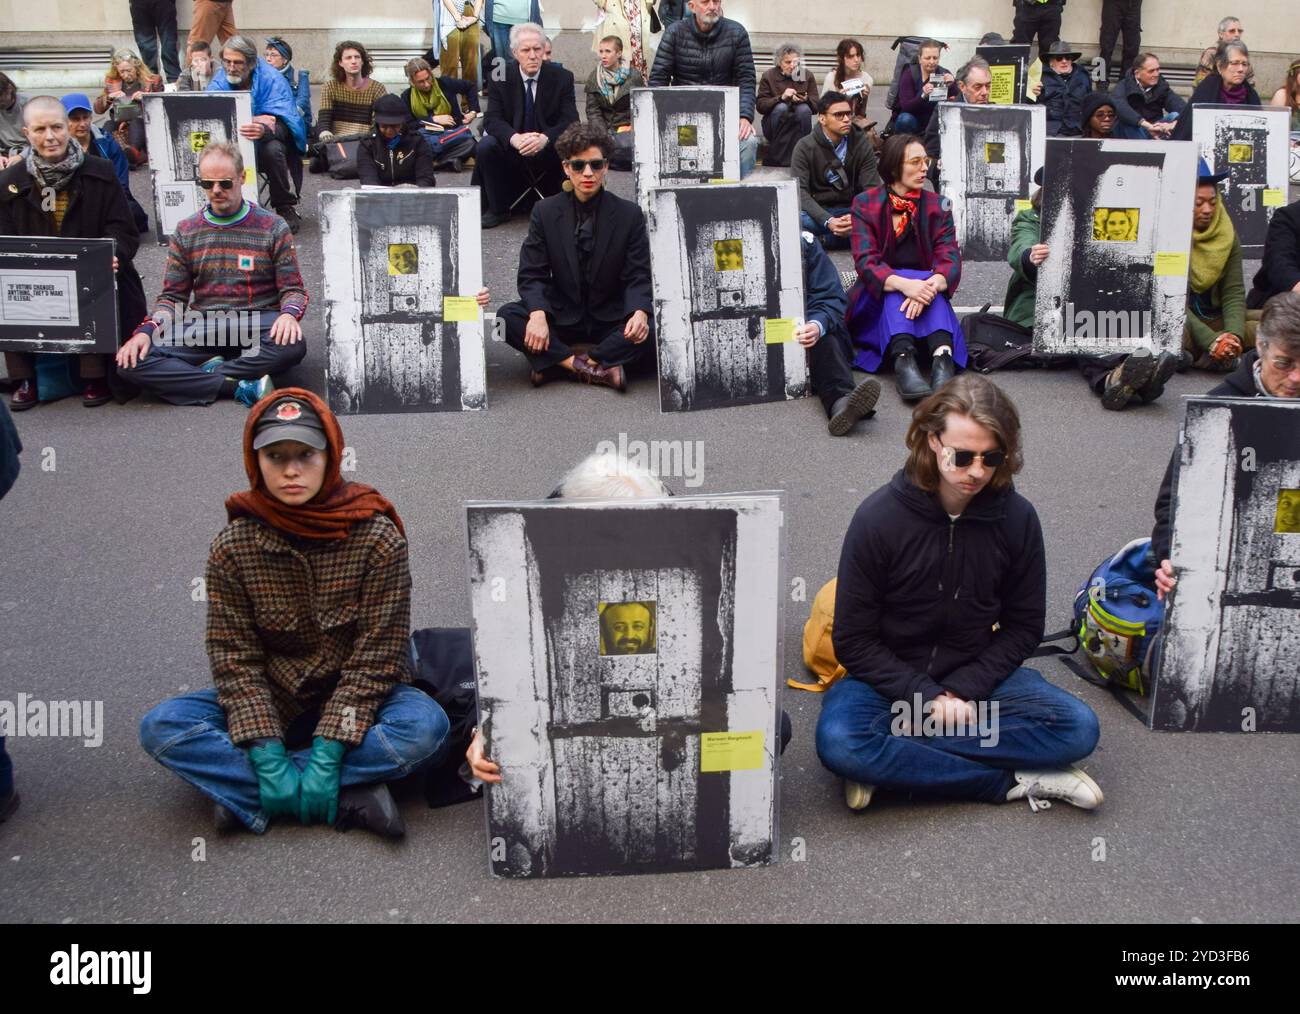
{"x": 272, "y": 96}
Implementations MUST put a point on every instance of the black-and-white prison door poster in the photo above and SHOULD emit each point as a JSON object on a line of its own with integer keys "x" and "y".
{"x": 1231, "y": 654}
{"x": 1251, "y": 143}
{"x": 725, "y": 246}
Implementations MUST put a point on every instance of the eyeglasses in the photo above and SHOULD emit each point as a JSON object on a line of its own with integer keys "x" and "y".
{"x": 840, "y": 114}
{"x": 219, "y": 184}
{"x": 923, "y": 161}
{"x": 579, "y": 165}
{"x": 1105, "y": 114}
{"x": 1284, "y": 365}
{"x": 964, "y": 459}
{"x": 1238, "y": 63}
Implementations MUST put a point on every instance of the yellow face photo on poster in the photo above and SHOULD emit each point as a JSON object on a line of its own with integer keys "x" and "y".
{"x": 1288, "y": 512}
{"x": 403, "y": 259}
{"x": 728, "y": 255}
{"x": 627, "y": 628}
{"x": 1115, "y": 225}
{"x": 1240, "y": 151}
{"x": 687, "y": 136}
{"x": 199, "y": 139}
{"x": 995, "y": 153}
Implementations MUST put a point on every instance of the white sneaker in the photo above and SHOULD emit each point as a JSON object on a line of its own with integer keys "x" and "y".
{"x": 1071, "y": 784}
{"x": 857, "y": 795}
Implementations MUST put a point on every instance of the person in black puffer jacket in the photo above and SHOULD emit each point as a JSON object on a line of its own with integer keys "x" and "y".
{"x": 395, "y": 150}
{"x": 941, "y": 597}
{"x": 708, "y": 49}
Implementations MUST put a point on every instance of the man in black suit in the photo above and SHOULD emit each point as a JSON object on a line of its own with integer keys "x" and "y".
{"x": 584, "y": 274}
{"x": 527, "y": 112}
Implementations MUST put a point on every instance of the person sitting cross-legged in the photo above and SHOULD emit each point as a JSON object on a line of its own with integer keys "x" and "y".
{"x": 607, "y": 303}
{"x": 395, "y": 151}
{"x": 434, "y": 108}
{"x": 235, "y": 265}
{"x": 832, "y": 165}
{"x": 311, "y": 710}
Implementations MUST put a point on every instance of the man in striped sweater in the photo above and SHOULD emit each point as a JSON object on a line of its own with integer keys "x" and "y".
{"x": 235, "y": 266}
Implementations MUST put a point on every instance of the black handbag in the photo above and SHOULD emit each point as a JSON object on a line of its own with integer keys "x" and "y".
{"x": 656, "y": 25}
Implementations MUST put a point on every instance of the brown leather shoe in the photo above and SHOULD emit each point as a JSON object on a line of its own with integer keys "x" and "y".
{"x": 24, "y": 396}
{"x": 96, "y": 393}
{"x": 589, "y": 372}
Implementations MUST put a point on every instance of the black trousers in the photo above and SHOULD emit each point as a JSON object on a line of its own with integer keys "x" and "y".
{"x": 1043, "y": 20}
{"x": 1117, "y": 15}
{"x": 504, "y": 174}
{"x": 608, "y": 346}
{"x": 1095, "y": 369}
{"x": 829, "y": 369}
{"x": 154, "y": 25}
{"x": 274, "y": 152}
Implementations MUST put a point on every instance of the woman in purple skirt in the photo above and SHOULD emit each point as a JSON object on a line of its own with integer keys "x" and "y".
{"x": 905, "y": 251}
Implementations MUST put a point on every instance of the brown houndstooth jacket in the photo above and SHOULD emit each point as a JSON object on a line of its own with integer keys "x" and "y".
{"x": 292, "y": 626}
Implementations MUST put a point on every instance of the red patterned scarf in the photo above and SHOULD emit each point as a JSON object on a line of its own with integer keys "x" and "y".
{"x": 904, "y": 206}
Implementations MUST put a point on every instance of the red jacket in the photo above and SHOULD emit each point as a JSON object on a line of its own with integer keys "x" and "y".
{"x": 874, "y": 243}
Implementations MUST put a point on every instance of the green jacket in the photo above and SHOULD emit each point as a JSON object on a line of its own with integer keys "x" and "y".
{"x": 1229, "y": 295}
{"x": 1018, "y": 304}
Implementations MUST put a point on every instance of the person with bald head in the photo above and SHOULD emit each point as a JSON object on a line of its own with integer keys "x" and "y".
{"x": 57, "y": 188}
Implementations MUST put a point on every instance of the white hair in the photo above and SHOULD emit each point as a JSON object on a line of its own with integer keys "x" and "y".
{"x": 608, "y": 475}
{"x": 516, "y": 31}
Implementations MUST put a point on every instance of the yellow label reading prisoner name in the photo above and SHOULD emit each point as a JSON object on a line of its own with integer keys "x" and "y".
{"x": 731, "y": 751}
{"x": 459, "y": 308}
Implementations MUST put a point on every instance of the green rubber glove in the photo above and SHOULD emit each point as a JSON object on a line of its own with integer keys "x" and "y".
{"x": 277, "y": 779}
{"x": 319, "y": 798}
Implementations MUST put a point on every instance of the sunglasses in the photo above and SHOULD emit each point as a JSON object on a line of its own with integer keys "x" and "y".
{"x": 964, "y": 459}
{"x": 219, "y": 184}
{"x": 579, "y": 165}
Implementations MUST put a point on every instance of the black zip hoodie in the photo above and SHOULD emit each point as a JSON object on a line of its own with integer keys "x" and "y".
{"x": 918, "y": 594}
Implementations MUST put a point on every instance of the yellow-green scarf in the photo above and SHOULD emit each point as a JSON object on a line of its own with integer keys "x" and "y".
{"x": 427, "y": 105}
{"x": 1210, "y": 250}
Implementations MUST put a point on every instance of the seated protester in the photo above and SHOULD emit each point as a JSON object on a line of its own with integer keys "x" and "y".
{"x": 705, "y": 48}
{"x": 607, "y": 303}
{"x": 12, "y": 141}
{"x": 462, "y": 94}
{"x": 1288, "y": 96}
{"x": 609, "y": 98}
{"x": 1218, "y": 327}
{"x": 851, "y": 80}
{"x": 940, "y": 598}
{"x": 605, "y": 475}
{"x": 433, "y": 108}
{"x": 1230, "y": 30}
{"x": 916, "y": 99}
{"x": 905, "y": 252}
{"x": 787, "y": 100}
{"x": 277, "y": 131}
{"x": 1279, "y": 270}
{"x": 975, "y": 86}
{"x": 823, "y": 334}
{"x": 311, "y": 710}
{"x": 1227, "y": 85}
{"x": 1147, "y": 107}
{"x": 395, "y": 151}
{"x": 198, "y": 75}
{"x": 527, "y": 112}
{"x": 1270, "y": 370}
{"x": 235, "y": 264}
{"x": 279, "y": 54}
{"x": 127, "y": 79}
{"x": 1098, "y": 116}
{"x": 833, "y": 165}
{"x": 95, "y": 142}
{"x": 1117, "y": 379}
{"x": 57, "y": 189}
{"x": 1064, "y": 87}
{"x": 348, "y": 98}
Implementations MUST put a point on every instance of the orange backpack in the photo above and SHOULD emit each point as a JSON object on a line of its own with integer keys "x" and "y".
{"x": 818, "y": 652}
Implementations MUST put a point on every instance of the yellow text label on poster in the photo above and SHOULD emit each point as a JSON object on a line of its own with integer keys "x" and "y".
{"x": 1003, "y": 90}
{"x": 199, "y": 139}
{"x": 1023, "y": 204}
{"x": 724, "y": 181}
{"x": 778, "y": 330}
{"x": 1274, "y": 198}
{"x": 731, "y": 751}
{"x": 1170, "y": 264}
{"x": 459, "y": 308}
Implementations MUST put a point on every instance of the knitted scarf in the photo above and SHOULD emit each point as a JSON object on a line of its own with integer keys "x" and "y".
{"x": 56, "y": 175}
{"x": 1233, "y": 96}
{"x": 906, "y": 207}
{"x": 1210, "y": 250}
{"x": 332, "y": 512}
{"x": 610, "y": 80}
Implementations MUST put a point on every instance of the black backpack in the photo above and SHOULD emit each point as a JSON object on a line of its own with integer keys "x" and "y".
{"x": 442, "y": 664}
{"x": 995, "y": 343}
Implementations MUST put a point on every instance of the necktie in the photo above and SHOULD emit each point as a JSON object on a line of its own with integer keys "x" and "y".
{"x": 530, "y": 110}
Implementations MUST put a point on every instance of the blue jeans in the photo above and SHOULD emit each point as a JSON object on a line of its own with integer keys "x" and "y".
{"x": 829, "y": 240}
{"x": 188, "y": 734}
{"x": 154, "y": 24}
{"x": 1038, "y": 726}
{"x": 500, "y": 36}
{"x": 748, "y": 155}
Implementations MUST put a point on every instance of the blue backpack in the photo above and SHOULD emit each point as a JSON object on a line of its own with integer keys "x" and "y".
{"x": 1117, "y": 617}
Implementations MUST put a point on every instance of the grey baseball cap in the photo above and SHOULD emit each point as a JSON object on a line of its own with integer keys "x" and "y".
{"x": 289, "y": 418}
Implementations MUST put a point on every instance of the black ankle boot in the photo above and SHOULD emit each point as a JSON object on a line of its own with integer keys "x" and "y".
{"x": 907, "y": 375}
{"x": 942, "y": 370}
{"x": 371, "y": 807}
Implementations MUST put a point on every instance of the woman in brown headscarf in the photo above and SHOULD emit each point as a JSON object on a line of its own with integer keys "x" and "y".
{"x": 309, "y": 601}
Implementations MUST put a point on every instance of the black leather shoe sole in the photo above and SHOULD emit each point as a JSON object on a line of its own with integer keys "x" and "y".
{"x": 861, "y": 402}
{"x": 371, "y": 807}
{"x": 1166, "y": 367}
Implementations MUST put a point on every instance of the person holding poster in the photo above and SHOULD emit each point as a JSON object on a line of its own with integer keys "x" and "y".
{"x": 940, "y": 597}
{"x": 311, "y": 710}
